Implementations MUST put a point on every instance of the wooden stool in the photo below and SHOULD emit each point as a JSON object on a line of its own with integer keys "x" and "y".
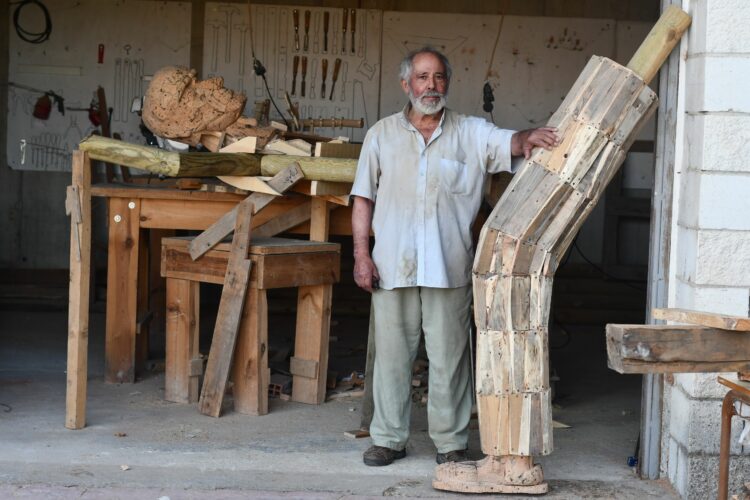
{"x": 277, "y": 263}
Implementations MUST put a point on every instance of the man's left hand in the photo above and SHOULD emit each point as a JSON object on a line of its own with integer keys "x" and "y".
{"x": 524, "y": 141}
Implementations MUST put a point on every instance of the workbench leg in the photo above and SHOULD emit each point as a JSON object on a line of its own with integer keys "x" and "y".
{"x": 157, "y": 285}
{"x": 122, "y": 287}
{"x": 183, "y": 364}
{"x": 250, "y": 372}
{"x": 313, "y": 324}
{"x": 311, "y": 344}
{"x": 78, "y": 301}
{"x": 142, "y": 325}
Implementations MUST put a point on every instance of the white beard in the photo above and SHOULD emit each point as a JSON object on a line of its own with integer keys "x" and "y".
{"x": 424, "y": 107}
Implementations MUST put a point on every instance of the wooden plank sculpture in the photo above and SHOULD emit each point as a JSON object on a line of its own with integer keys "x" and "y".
{"x": 519, "y": 249}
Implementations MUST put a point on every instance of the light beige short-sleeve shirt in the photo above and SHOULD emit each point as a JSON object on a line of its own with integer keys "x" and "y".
{"x": 427, "y": 195}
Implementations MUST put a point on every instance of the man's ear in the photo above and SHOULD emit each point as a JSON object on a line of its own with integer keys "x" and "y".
{"x": 405, "y": 86}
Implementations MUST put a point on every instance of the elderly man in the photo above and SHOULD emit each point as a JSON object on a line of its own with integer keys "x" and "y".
{"x": 419, "y": 186}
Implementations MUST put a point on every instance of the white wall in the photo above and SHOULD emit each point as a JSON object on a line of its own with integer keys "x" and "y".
{"x": 710, "y": 258}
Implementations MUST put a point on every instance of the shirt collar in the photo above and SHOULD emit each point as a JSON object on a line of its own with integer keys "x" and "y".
{"x": 404, "y": 117}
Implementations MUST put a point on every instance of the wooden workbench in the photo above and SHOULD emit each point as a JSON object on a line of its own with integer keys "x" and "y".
{"x": 133, "y": 209}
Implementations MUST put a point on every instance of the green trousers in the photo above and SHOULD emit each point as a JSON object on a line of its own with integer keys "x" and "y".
{"x": 401, "y": 315}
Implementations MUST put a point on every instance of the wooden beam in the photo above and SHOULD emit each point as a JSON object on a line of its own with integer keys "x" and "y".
{"x": 676, "y": 349}
{"x": 725, "y": 322}
{"x": 659, "y": 43}
{"x": 280, "y": 182}
{"x": 229, "y": 315}
{"x": 79, "y": 203}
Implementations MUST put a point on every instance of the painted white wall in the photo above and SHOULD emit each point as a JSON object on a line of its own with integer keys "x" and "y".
{"x": 710, "y": 255}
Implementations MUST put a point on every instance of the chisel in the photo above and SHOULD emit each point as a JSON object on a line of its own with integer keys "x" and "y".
{"x": 344, "y": 19}
{"x": 354, "y": 26}
{"x": 304, "y": 74}
{"x": 326, "y": 22}
{"x": 325, "y": 75}
{"x": 305, "y": 44}
{"x": 336, "y": 68}
{"x": 294, "y": 73}
{"x": 295, "y": 16}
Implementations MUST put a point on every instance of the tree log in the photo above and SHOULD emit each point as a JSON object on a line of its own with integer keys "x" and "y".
{"x": 315, "y": 168}
{"x": 171, "y": 164}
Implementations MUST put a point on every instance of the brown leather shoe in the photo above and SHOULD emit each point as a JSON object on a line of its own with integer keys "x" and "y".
{"x": 380, "y": 455}
{"x": 452, "y": 456}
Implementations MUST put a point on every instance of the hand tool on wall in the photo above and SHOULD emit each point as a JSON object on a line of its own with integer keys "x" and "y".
{"x": 326, "y": 23}
{"x": 304, "y": 74}
{"x": 336, "y": 68}
{"x": 295, "y": 17}
{"x": 313, "y": 77}
{"x": 325, "y": 75}
{"x": 306, "y": 42}
{"x": 344, "y": 19}
{"x": 294, "y": 73}
{"x": 293, "y": 110}
{"x": 354, "y": 27}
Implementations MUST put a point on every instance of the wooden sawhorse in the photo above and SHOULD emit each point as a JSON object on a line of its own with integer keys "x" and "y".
{"x": 311, "y": 266}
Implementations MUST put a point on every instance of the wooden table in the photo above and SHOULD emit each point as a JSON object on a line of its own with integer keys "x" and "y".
{"x": 133, "y": 209}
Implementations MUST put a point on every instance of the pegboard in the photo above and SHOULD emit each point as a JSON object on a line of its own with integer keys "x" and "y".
{"x": 138, "y": 37}
{"x": 530, "y": 62}
{"x": 227, "y": 52}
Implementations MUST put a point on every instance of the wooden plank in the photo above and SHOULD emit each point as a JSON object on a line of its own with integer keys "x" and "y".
{"x": 182, "y": 335}
{"x": 336, "y": 150}
{"x": 250, "y": 372}
{"x": 229, "y": 315}
{"x": 122, "y": 273}
{"x": 219, "y": 230}
{"x": 78, "y": 298}
{"x": 723, "y": 321}
{"x": 263, "y": 245}
{"x": 675, "y": 349}
{"x": 162, "y": 193}
{"x": 267, "y": 272}
{"x": 285, "y": 221}
{"x": 181, "y": 214}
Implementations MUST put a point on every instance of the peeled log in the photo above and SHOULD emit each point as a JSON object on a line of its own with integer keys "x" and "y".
{"x": 171, "y": 164}
{"x": 315, "y": 168}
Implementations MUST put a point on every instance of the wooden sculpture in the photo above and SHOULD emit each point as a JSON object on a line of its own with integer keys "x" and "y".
{"x": 519, "y": 249}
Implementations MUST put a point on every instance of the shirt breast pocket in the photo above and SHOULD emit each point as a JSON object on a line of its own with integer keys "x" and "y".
{"x": 454, "y": 176}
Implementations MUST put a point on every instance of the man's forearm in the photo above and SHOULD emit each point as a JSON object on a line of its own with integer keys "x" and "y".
{"x": 361, "y": 226}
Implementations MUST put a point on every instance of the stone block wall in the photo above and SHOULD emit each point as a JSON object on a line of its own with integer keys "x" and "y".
{"x": 710, "y": 259}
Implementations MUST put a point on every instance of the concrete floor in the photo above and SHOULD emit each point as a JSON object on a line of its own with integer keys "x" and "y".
{"x": 296, "y": 451}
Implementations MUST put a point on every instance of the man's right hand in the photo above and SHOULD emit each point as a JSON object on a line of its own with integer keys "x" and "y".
{"x": 365, "y": 273}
